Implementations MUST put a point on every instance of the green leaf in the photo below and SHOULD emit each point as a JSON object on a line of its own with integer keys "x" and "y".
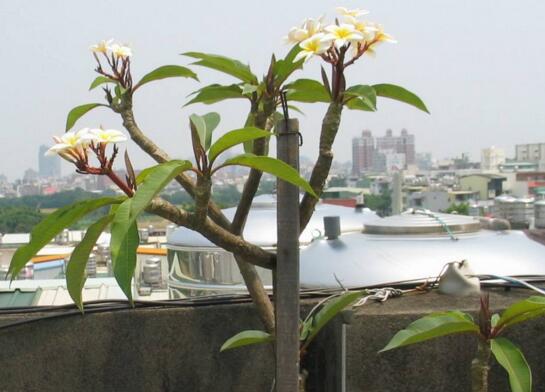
{"x": 361, "y": 97}
{"x": 284, "y": 68}
{"x": 272, "y": 166}
{"x": 123, "y": 244}
{"x": 330, "y": 309}
{"x": 248, "y": 89}
{"x": 156, "y": 179}
{"x": 52, "y": 225}
{"x": 233, "y": 138}
{"x": 99, "y": 80}
{"x": 167, "y": 71}
{"x": 307, "y": 90}
{"x": 511, "y": 358}
{"x": 245, "y": 338}
{"x": 79, "y": 111}
{"x": 216, "y": 93}
{"x": 400, "y": 94}
{"x": 204, "y": 126}
{"x": 75, "y": 271}
{"x": 224, "y": 64}
{"x": 432, "y": 326}
{"x": 494, "y": 319}
{"x": 527, "y": 309}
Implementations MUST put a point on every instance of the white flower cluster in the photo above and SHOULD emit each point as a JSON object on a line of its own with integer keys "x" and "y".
{"x": 73, "y": 144}
{"x": 316, "y": 38}
{"x": 108, "y": 46}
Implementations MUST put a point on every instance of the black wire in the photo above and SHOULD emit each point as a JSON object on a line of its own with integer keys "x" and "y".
{"x": 100, "y": 306}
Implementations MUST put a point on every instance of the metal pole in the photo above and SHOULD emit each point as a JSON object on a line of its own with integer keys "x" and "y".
{"x": 287, "y": 263}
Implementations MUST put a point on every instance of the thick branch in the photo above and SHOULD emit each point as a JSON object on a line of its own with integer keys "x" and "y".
{"x": 263, "y": 121}
{"x": 160, "y": 156}
{"x": 330, "y": 126}
{"x": 215, "y": 233}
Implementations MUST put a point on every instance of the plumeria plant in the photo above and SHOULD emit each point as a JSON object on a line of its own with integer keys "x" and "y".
{"x": 339, "y": 45}
{"x": 489, "y": 331}
{"x": 314, "y": 322}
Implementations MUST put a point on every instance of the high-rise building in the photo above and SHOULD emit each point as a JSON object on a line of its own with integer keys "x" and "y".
{"x": 48, "y": 166}
{"x": 403, "y": 144}
{"x": 491, "y": 158}
{"x": 363, "y": 149}
{"x": 534, "y": 153}
{"x": 382, "y": 153}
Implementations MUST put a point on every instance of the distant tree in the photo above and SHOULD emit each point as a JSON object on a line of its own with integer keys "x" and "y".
{"x": 337, "y": 181}
{"x": 381, "y": 204}
{"x": 18, "y": 219}
{"x": 462, "y": 209}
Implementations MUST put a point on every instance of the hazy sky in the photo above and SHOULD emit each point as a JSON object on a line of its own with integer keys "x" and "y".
{"x": 478, "y": 64}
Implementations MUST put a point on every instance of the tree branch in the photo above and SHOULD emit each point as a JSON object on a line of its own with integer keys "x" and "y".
{"x": 262, "y": 121}
{"x": 330, "y": 126}
{"x": 160, "y": 156}
{"x": 213, "y": 232}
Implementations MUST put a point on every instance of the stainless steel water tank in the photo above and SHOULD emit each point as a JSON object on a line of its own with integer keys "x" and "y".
{"x": 539, "y": 214}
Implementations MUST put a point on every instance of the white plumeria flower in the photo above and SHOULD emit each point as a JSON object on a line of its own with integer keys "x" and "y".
{"x": 121, "y": 51}
{"x": 308, "y": 29}
{"x": 296, "y": 35}
{"x": 314, "y": 45}
{"x": 102, "y": 47}
{"x": 105, "y": 136}
{"x": 363, "y": 27}
{"x": 354, "y": 13}
{"x": 381, "y": 36}
{"x": 343, "y": 34}
{"x": 69, "y": 141}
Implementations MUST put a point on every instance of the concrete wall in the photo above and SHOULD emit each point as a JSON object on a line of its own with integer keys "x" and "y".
{"x": 177, "y": 350}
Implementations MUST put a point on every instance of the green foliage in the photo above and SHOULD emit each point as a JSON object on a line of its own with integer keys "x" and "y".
{"x": 527, "y": 309}
{"x": 18, "y": 219}
{"x": 462, "y": 209}
{"x": 79, "y": 111}
{"x": 337, "y": 181}
{"x": 204, "y": 126}
{"x": 246, "y": 338}
{"x": 512, "y": 360}
{"x": 233, "y": 138}
{"x": 124, "y": 238}
{"x": 224, "y": 64}
{"x": 226, "y": 196}
{"x": 167, "y": 71}
{"x": 56, "y": 200}
{"x": 52, "y": 225}
{"x": 315, "y": 322}
{"x": 282, "y": 69}
{"x": 307, "y": 90}
{"x": 401, "y": 94}
{"x": 216, "y": 93}
{"x": 361, "y": 97}
{"x": 75, "y": 271}
{"x": 272, "y": 166}
{"x": 100, "y": 80}
{"x": 266, "y": 187}
{"x": 433, "y": 326}
{"x": 124, "y": 261}
{"x": 309, "y": 328}
{"x": 381, "y": 204}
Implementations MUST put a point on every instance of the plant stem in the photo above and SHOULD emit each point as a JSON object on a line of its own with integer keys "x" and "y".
{"x": 117, "y": 181}
{"x": 330, "y": 126}
{"x": 480, "y": 367}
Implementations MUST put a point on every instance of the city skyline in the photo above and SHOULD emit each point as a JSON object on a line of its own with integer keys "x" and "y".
{"x": 478, "y": 94}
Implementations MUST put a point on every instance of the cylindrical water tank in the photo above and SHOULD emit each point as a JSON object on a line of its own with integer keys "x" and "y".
{"x": 91, "y": 268}
{"x": 539, "y": 213}
{"x": 151, "y": 271}
{"x": 522, "y": 211}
